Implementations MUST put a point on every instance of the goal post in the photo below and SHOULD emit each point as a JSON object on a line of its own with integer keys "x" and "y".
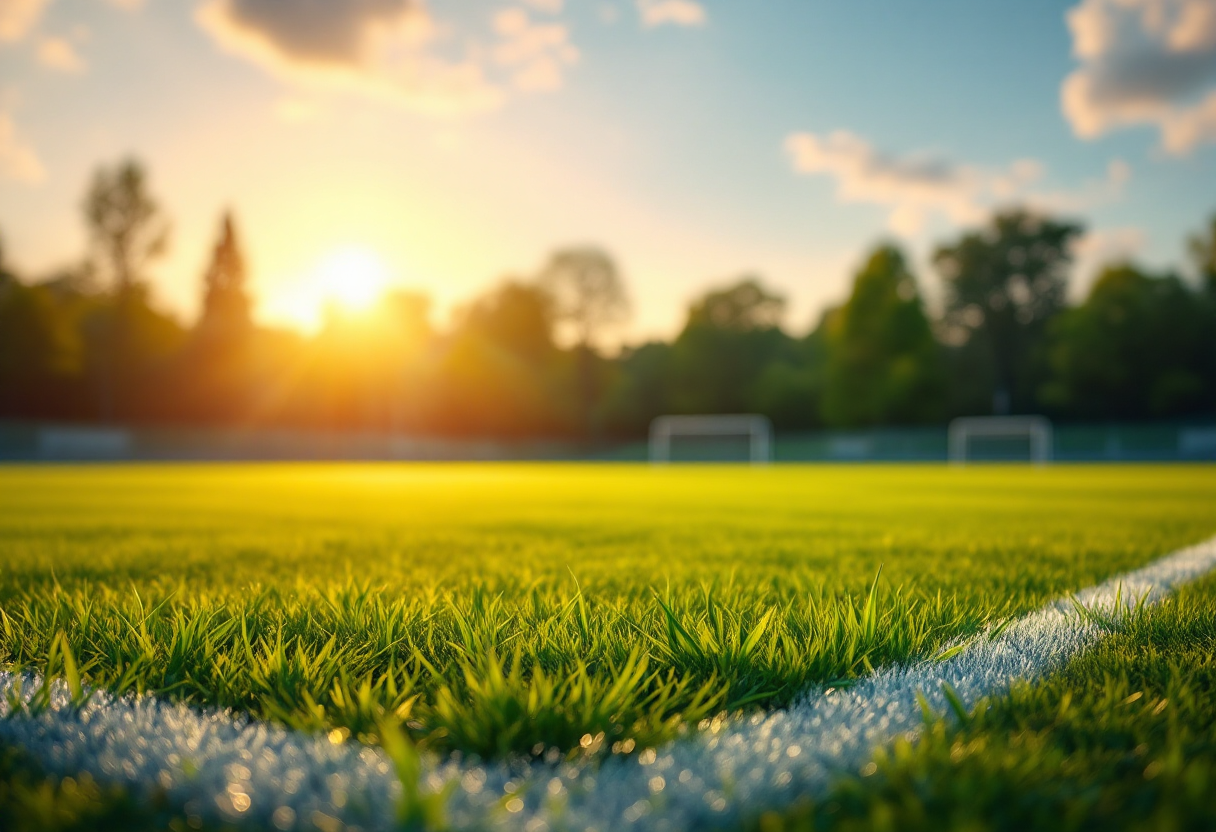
{"x": 1036, "y": 429}
{"x": 758, "y": 430}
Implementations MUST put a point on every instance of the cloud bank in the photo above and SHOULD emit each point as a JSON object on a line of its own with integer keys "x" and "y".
{"x": 396, "y": 49}
{"x": 918, "y": 186}
{"x": 671, "y": 12}
{"x": 1144, "y": 62}
{"x": 381, "y": 48}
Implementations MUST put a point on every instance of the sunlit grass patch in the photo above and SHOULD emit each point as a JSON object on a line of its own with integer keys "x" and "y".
{"x": 530, "y": 610}
{"x": 1124, "y": 737}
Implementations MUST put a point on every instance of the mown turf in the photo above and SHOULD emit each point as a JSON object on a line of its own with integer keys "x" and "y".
{"x": 515, "y": 608}
{"x": 1124, "y": 738}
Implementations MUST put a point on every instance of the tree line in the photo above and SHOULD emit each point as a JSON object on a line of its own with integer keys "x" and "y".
{"x": 89, "y": 344}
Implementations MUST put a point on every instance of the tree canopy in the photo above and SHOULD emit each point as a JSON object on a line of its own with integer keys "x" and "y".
{"x": 883, "y": 364}
{"x": 1003, "y": 283}
{"x": 531, "y": 355}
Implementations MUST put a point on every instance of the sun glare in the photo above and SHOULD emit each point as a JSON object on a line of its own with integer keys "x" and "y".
{"x": 354, "y": 278}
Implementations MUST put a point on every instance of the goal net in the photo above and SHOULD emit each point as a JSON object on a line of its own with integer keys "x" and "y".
{"x": 1000, "y": 439}
{"x": 735, "y": 438}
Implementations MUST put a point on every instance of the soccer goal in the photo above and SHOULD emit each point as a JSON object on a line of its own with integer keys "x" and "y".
{"x": 1003, "y": 438}
{"x": 712, "y": 438}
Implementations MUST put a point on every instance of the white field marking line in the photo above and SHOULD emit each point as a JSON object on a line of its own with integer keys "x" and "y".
{"x": 220, "y": 766}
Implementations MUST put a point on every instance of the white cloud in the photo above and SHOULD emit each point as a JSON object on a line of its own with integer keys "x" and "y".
{"x": 1144, "y": 62}
{"x": 547, "y": 6}
{"x": 382, "y": 48}
{"x": 18, "y": 17}
{"x": 59, "y": 53}
{"x": 916, "y": 187}
{"x": 534, "y": 53}
{"x": 674, "y": 12}
{"x": 18, "y": 161}
{"x": 1092, "y": 192}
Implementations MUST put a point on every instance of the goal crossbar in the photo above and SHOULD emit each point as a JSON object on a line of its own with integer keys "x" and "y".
{"x": 757, "y": 428}
{"x": 1037, "y": 429}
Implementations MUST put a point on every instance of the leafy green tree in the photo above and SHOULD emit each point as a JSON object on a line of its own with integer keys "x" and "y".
{"x": 1203, "y": 253}
{"x": 1003, "y": 284}
{"x": 516, "y": 317}
{"x": 743, "y": 307}
{"x": 883, "y": 366}
{"x": 788, "y": 391}
{"x": 500, "y": 373}
{"x": 731, "y": 336}
{"x": 642, "y": 388}
{"x": 1141, "y": 346}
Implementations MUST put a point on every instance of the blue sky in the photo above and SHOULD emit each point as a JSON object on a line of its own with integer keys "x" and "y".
{"x": 462, "y": 141}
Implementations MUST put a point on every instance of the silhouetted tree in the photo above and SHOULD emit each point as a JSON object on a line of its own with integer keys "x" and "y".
{"x": 6, "y": 274}
{"x": 127, "y": 228}
{"x": 225, "y": 299}
{"x": 40, "y": 350}
{"x": 588, "y": 292}
{"x": 588, "y": 296}
{"x": 218, "y": 379}
{"x": 883, "y": 366}
{"x": 1003, "y": 284}
{"x": 127, "y": 231}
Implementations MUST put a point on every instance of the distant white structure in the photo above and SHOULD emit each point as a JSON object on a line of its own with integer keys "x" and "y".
{"x": 757, "y": 429}
{"x": 1037, "y": 430}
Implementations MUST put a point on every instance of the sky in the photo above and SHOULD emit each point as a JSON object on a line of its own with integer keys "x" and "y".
{"x": 447, "y": 145}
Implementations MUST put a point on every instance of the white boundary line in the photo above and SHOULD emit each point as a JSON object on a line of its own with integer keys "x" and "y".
{"x": 220, "y": 766}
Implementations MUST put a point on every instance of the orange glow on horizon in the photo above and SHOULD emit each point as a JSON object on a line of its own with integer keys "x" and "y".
{"x": 345, "y": 279}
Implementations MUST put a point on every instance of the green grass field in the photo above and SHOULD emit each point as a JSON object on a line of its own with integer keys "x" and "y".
{"x": 515, "y": 609}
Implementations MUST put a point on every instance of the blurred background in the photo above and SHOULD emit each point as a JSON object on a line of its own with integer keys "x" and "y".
{"x": 463, "y": 230}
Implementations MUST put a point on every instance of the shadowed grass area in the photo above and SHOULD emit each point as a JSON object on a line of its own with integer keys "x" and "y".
{"x": 502, "y": 609}
{"x": 1124, "y": 738}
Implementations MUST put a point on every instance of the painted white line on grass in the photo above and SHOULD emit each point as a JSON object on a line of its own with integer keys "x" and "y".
{"x": 220, "y": 766}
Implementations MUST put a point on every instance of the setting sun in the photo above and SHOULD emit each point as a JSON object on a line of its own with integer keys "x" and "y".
{"x": 352, "y": 277}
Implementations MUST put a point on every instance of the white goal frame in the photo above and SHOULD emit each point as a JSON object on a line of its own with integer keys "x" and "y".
{"x": 758, "y": 429}
{"x": 1036, "y": 428}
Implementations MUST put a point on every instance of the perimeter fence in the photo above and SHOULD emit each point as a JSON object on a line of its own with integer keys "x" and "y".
{"x": 1192, "y": 441}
